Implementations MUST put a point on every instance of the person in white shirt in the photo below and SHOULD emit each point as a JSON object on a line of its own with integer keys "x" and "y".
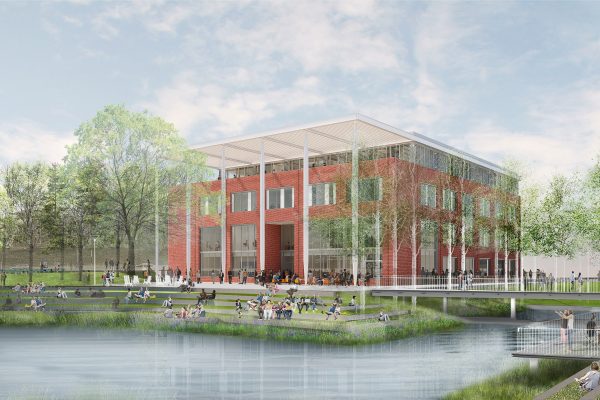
{"x": 590, "y": 380}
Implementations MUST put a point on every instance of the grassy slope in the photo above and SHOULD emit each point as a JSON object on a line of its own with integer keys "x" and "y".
{"x": 352, "y": 333}
{"x": 520, "y": 382}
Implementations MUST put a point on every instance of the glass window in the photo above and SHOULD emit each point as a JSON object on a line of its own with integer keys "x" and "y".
{"x": 449, "y": 199}
{"x": 210, "y": 250}
{"x": 428, "y": 193}
{"x": 322, "y": 194}
{"x": 243, "y": 201}
{"x": 449, "y": 233}
{"x": 467, "y": 205}
{"x": 243, "y": 248}
{"x": 280, "y": 198}
{"x": 499, "y": 210}
{"x": 484, "y": 207}
{"x": 369, "y": 189}
{"x": 484, "y": 238}
{"x": 210, "y": 205}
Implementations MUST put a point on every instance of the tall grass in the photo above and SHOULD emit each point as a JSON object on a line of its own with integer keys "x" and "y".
{"x": 349, "y": 333}
{"x": 520, "y": 383}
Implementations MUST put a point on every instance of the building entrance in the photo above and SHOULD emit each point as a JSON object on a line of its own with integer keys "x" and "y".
{"x": 287, "y": 249}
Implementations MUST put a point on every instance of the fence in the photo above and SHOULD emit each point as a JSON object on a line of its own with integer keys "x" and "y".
{"x": 548, "y": 339}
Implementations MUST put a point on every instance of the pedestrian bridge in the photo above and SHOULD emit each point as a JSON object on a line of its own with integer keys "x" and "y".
{"x": 547, "y": 340}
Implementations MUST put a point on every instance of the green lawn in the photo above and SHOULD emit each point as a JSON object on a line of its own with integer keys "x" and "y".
{"x": 561, "y": 303}
{"x": 520, "y": 383}
{"x": 420, "y": 322}
{"x": 54, "y": 279}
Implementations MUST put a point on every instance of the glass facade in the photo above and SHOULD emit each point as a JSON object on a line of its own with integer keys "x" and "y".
{"x": 429, "y": 245}
{"x": 280, "y": 198}
{"x": 369, "y": 189}
{"x": 484, "y": 207}
{"x": 210, "y": 205}
{"x": 322, "y": 194}
{"x": 243, "y": 248}
{"x": 210, "y": 251}
{"x": 243, "y": 201}
{"x": 449, "y": 199}
{"x": 428, "y": 195}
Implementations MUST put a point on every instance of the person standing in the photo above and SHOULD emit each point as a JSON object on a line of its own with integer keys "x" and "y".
{"x": 3, "y": 278}
{"x": 591, "y": 329}
{"x": 221, "y": 277}
{"x": 230, "y": 276}
{"x": 212, "y": 276}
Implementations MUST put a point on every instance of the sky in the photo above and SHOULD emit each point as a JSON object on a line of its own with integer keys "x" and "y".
{"x": 501, "y": 80}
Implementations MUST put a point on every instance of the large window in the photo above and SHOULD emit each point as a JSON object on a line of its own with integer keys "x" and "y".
{"x": 499, "y": 210}
{"x": 243, "y": 201}
{"x": 210, "y": 205}
{"x": 484, "y": 207}
{"x": 449, "y": 233}
{"x": 428, "y": 245}
{"x": 369, "y": 189}
{"x": 449, "y": 199}
{"x": 484, "y": 238}
{"x": 210, "y": 251}
{"x": 280, "y": 198}
{"x": 428, "y": 193}
{"x": 321, "y": 194}
{"x": 243, "y": 248}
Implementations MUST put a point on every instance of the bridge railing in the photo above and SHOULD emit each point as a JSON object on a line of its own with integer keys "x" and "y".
{"x": 440, "y": 282}
{"x": 497, "y": 283}
{"x": 543, "y": 341}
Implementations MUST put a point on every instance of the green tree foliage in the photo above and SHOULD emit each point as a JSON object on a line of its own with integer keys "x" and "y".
{"x": 139, "y": 158}
{"x": 8, "y": 224}
{"x": 27, "y": 186}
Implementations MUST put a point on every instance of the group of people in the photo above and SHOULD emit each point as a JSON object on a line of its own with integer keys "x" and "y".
{"x": 30, "y": 288}
{"x": 186, "y": 311}
{"x": 108, "y": 278}
{"x": 142, "y": 294}
{"x": 268, "y": 309}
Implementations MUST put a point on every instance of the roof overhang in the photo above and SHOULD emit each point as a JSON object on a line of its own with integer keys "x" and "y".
{"x": 322, "y": 138}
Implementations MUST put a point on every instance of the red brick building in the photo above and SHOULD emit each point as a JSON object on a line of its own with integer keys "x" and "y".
{"x": 366, "y": 186}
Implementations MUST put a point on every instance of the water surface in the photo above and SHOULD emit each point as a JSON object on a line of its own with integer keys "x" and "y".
{"x": 71, "y": 364}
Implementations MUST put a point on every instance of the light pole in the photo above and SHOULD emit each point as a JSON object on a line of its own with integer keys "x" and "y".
{"x": 94, "y": 261}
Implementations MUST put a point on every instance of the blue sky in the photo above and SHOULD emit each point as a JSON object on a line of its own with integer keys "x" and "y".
{"x": 498, "y": 79}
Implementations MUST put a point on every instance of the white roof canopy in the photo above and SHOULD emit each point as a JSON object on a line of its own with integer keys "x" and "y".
{"x": 323, "y": 138}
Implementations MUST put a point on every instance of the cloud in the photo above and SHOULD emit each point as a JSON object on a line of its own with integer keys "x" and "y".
{"x": 26, "y": 140}
{"x": 188, "y": 104}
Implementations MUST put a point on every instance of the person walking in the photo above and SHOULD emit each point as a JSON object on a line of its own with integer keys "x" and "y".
{"x": 221, "y": 277}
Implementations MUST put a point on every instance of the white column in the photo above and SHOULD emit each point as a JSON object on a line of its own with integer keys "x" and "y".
{"x": 188, "y": 228}
{"x": 513, "y": 308}
{"x": 378, "y": 248}
{"x": 305, "y": 208}
{"x": 223, "y": 213}
{"x": 156, "y": 236}
{"x": 354, "y": 199}
{"x": 261, "y": 232}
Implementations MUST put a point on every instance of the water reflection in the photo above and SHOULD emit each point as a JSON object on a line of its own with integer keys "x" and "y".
{"x": 61, "y": 364}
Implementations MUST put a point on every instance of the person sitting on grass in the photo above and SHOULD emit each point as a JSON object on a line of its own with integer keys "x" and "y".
{"x": 77, "y": 292}
{"x": 332, "y": 311}
{"x": 140, "y": 294}
{"x": 146, "y": 294}
{"x": 61, "y": 294}
{"x": 238, "y": 308}
{"x": 198, "y": 311}
{"x": 590, "y": 380}
{"x": 383, "y": 317}
{"x": 39, "y": 305}
{"x": 168, "y": 302}
{"x": 183, "y": 313}
{"x": 17, "y": 288}
{"x": 128, "y": 296}
{"x": 288, "y": 310}
{"x": 168, "y": 312}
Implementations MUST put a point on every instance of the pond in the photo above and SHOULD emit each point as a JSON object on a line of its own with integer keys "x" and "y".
{"x": 72, "y": 364}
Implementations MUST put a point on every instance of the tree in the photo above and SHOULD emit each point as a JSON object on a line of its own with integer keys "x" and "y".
{"x": 54, "y": 215}
{"x": 140, "y": 158}
{"x": 27, "y": 186}
{"x": 8, "y": 224}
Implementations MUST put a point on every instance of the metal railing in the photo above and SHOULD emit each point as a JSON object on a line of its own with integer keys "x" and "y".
{"x": 543, "y": 341}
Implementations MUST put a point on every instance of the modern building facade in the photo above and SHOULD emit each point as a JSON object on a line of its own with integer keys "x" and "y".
{"x": 352, "y": 194}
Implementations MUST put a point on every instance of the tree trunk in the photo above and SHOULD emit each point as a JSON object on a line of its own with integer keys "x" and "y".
{"x": 118, "y": 248}
{"x": 80, "y": 256}
{"x": 413, "y": 247}
{"x": 395, "y": 247}
{"x": 463, "y": 247}
{"x": 506, "y": 266}
{"x": 31, "y": 246}
{"x": 449, "y": 252}
{"x": 3, "y": 252}
{"x": 62, "y": 247}
{"x": 131, "y": 250}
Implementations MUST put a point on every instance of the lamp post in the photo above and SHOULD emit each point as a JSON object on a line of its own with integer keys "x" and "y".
{"x": 94, "y": 261}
